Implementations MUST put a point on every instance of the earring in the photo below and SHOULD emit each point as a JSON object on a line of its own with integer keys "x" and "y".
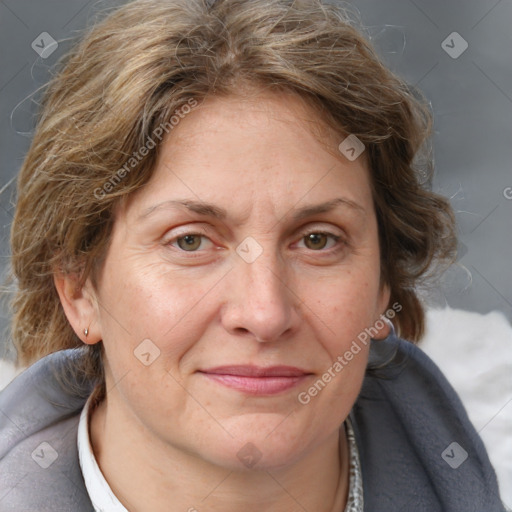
{"x": 86, "y": 332}
{"x": 383, "y": 351}
{"x": 391, "y": 332}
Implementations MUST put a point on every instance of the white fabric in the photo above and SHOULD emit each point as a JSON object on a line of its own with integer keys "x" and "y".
{"x": 7, "y": 372}
{"x": 474, "y": 352}
{"x": 102, "y": 497}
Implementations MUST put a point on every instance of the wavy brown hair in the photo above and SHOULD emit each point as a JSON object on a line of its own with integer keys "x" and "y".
{"x": 143, "y": 62}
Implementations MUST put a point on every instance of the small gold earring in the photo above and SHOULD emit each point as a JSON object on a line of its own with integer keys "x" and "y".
{"x": 86, "y": 332}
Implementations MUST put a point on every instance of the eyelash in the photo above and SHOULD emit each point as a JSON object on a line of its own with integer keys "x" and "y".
{"x": 338, "y": 241}
{"x": 334, "y": 237}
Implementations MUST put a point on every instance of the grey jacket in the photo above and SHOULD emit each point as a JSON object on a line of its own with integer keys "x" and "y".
{"x": 418, "y": 450}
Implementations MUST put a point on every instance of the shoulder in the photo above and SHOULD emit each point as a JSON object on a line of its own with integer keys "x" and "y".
{"x": 418, "y": 448}
{"x": 42, "y": 472}
{"x": 38, "y": 432}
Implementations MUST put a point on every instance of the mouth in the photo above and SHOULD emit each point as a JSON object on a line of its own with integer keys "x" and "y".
{"x": 255, "y": 380}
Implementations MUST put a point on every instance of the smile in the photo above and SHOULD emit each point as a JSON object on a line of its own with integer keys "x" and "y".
{"x": 256, "y": 380}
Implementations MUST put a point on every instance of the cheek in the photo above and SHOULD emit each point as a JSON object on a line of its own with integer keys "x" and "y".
{"x": 167, "y": 308}
{"x": 345, "y": 311}
{"x": 342, "y": 306}
{"x": 149, "y": 322}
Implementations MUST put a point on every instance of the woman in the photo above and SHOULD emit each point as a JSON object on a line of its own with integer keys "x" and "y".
{"x": 220, "y": 217}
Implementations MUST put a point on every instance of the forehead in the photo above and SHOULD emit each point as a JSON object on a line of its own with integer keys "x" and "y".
{"x": 273, "y": 116}
{"x": 270, "y": 149}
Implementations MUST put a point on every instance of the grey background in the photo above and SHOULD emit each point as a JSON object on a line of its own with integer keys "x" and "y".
{"x": 471, "y": 97}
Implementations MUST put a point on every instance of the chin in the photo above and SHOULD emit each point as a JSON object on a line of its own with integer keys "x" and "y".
{"x": 261, "y": 442}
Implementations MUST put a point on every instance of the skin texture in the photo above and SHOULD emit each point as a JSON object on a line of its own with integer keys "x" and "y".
{"x": 167, "y": 437}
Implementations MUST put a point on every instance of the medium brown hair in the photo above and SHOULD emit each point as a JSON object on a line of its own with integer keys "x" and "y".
{"x": 145, "y": 61}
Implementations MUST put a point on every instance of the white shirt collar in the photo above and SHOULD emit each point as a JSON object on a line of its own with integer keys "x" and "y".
{"x": 104, "y": 500}
{"x": 100, "y": 493}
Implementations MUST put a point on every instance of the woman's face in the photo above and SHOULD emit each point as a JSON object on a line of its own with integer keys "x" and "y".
{"x": 234, "y": 280}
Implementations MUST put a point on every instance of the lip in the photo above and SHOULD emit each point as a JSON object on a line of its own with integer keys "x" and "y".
{"x": 257, "y": 380}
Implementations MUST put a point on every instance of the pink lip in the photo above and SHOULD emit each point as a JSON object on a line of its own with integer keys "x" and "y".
{"x": 257, "y": 380}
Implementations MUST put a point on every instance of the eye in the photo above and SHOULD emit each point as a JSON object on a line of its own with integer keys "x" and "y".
{"x": 317, "y": 241}
{"x": 190, "y": 242}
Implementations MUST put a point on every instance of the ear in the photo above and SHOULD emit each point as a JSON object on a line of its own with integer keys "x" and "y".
{"x": 382, "y": 305}
{"x": 80, "y": 306}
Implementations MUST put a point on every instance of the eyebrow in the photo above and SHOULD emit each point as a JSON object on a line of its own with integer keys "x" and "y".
{"x": 199, "y": 207}
{"x": 309, "y": 211}
{"x": 211, "y": 210}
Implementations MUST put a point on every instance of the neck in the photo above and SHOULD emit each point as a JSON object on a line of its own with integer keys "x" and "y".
{"x": 148, "y": 475}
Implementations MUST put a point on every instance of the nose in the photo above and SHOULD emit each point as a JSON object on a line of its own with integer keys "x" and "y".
{"x": 261, "y": 303}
